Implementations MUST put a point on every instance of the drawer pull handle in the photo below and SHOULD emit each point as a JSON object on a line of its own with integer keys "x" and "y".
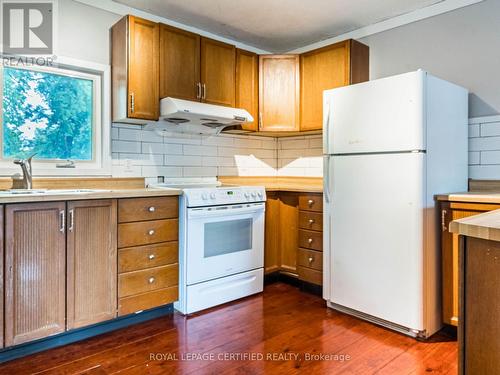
{"x": 310, "y": 202}
{"x": 311, "y": 221}
{"x": 311, "y": 259}
{"x": 310, "y": 240}
{"x": 151, "y": 280}
{"x": 151, "y": 256}
{"x": 151, "y": 232}
{"x": 152, "y": 209}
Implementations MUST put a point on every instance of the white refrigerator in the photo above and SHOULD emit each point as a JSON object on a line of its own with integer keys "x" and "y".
{"x": 389, "y": 146}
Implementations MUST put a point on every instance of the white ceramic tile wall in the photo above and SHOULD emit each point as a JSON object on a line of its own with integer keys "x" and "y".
{"x": 300, "y": 156}
{"x": 484, "y": 148}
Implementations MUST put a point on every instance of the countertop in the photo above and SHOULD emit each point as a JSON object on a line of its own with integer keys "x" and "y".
{"x": 471, "y": 197}
{"x": 485, "y": 226}
{"x": 103, "y": 194}
{"x": 292, "y": 184}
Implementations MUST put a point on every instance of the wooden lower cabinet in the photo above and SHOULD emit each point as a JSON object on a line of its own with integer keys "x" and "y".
{"x": 294, "y": 235}
{"x": 450, "y": 211}
{"x": 35, "y": 271}
{"x": 92, "y": 262}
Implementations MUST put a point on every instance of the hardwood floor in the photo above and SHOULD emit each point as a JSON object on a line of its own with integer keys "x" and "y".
{"x": 281, "y": 321}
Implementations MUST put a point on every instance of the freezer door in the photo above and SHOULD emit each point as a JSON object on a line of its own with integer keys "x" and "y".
{"x": 377, "y": 231}
{"x": 376, "y": 116}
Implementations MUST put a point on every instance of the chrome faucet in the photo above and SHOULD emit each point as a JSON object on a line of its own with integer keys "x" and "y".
{"x": 27, "y": 171}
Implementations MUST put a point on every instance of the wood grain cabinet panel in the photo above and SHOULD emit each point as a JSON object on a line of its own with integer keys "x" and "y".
{"x": 326, "y": 68}
{"x": 247, "y": 85}
{"x": 144, "y": 301}
{"x": 91, "y": 262}
{"x": 272, "y": 234}
{"x": 311, "y": 202}
{"x": 137, "y": 282}
{"x": 311, "y": 220}
{"x": 311, "y": 239}
{"x": 35, "y": 271}
{"x": 218, "y": 70}
{"x": 147, "y": 232}
{"x": 179, "y": 63}
{"x": 310, "y": 275}
{"x": 140, "y": 209}
{"x": 279, "y": 92}
{"x": 135, "y": 74}
{"x": 288, "y": 232}
{"x": 310, "y": 259}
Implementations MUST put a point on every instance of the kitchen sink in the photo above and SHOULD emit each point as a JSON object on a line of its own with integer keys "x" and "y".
{"x": 12, "y": 192}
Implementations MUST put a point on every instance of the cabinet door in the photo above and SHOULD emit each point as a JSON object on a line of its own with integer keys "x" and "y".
{"x": 279, "y": 92}
{"x": 320, "y": 70}
{"x": 179, "y": 64}
{"x": 143, "y": 60}
{"x": 272, "y": 234}
{"x": 92, "y": 262}
{"x": 289, "y": 232}
{"x": 218, "y": 65}
{"x": 35, "y": 271}
{"x": 247, "y": 85}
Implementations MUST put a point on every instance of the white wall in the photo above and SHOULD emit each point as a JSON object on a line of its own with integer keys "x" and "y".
{"x": 460, "y": 46}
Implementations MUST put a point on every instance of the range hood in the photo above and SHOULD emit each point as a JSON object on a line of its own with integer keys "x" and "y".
{"x": 185, "y": 116}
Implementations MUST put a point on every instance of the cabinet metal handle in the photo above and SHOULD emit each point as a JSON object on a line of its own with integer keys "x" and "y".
{"x": 311, "y": 221}
{"x": 204, "y": 92}
{"x": 310, "y": 202}
{"x": 151, "y": 232}
{"x": 310, "y": 240}
{"x": 260, "y": 120}
{"x": 151, "y": 256}
{"x": 443, "y": 220}
{"x": 311, "y": 259}
{"x": 132, "y": 102}
{"x": 71, "y": 219}
{"x": 152, "y": 209}
{"x": 62, "y": 221}
{"x": 151, "y": 280}
{"x": 198, "y": 90}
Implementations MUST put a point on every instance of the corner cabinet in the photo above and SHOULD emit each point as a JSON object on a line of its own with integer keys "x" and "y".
{"x": 247, "y": 86}
{"x": 91, "y": 262}
{"x": 337, "y": 65}
{"x": 279, "y": 93}
{"x": 135, "y": 60}
{"x": 35, "y": 271}
{"x": 450, "y": 211}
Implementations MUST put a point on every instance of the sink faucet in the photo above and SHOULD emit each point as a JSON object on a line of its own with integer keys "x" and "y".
{"x": 27, "y": 171}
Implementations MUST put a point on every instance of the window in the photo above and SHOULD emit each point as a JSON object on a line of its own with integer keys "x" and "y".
{"x": 53, "y": 113}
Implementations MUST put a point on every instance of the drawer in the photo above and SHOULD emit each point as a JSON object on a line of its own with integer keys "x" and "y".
{"x": 311, "y": 220}
{"x": 139, "y": 209}
{"x": 311, "y": 240}
{"x": 310, "y": 275}
{"x": 136, "y": 282}
{"x": 147, "y": 232}
{"x": 311, "y": 202}
{"x": 310, "y": 258}
{"x": 144, "y": 301}
{"x": 141, "y": 257}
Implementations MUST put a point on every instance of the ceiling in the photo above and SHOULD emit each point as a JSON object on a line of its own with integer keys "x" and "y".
{"x": 278, "y": 25}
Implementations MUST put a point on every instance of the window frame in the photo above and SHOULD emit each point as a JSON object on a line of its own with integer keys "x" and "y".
{"x": 101, "y": 150}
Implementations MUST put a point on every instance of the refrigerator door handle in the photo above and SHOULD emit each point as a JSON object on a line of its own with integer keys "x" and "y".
{"x": 326, "y": 131}
{"x": 326, "y": 177}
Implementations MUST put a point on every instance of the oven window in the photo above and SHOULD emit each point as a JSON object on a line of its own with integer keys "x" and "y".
{"x": 225, "y": 237}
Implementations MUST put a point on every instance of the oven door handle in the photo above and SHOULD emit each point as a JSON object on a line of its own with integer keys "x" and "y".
{"x": 225, "y": 211}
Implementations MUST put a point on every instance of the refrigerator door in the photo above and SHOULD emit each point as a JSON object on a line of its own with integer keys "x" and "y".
{"x": 377, "y": 232}
{"x": 384, "y": 115}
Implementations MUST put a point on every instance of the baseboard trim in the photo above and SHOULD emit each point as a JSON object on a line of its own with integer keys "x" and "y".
{"x": 79, "y": 334}
{"x": 304, "y": 286}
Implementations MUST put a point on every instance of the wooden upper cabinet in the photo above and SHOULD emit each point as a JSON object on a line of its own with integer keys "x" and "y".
{"x": 179, "y": 64}
{"x": 279, "y": 92}
{"x": 92, "y": 262}
{"x": 247, "y": 85}
{"x": 218, "y": 70}
{"x": 35, "y": 271}
{"x": 337, "y": 65}
{"x": 135, "y": 60}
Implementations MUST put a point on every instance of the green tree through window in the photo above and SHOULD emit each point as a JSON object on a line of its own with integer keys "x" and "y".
{"x": 47, "y": 113}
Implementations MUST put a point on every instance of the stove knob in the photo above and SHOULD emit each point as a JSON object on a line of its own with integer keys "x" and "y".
{"x": 204, "y": 197}
{"x": 260, "y": 194}
{"x": 212, "y": 195}
{"x": 247, "y": 195}
{"x": 253, "y": 194}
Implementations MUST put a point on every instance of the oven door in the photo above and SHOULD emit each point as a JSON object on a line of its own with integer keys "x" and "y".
{"x": 224, "y": 240}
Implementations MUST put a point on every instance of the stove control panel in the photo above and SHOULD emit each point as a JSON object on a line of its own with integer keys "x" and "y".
{"x": 201, "y": 197}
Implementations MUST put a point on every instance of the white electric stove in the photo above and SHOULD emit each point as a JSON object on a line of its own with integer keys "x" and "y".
{"x": 221, "y": 243}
